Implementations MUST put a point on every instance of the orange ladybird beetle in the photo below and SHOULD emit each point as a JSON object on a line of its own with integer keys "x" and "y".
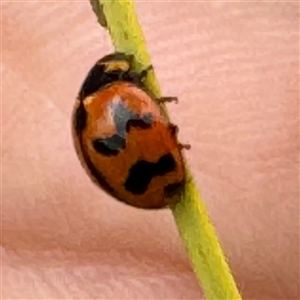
{"x": 123, "y": 137}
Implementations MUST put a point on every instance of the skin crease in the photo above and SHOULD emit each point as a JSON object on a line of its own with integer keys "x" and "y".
{"x": 234, "y": 68}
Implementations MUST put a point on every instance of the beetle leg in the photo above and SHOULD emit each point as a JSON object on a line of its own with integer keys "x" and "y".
{"x": 130, "y": 58}
{"x": 144, "y": 73}
{"x": 184, "y": 146}
{"x": 139, "y": 77}
{"x": 167, "y": 99}
{"x": 173, "y": 129}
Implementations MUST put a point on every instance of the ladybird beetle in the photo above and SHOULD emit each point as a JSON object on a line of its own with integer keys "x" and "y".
{"x": 123, "y": 138}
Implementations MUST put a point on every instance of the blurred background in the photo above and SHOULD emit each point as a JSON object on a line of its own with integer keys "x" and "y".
{"x": 235, "y": 69}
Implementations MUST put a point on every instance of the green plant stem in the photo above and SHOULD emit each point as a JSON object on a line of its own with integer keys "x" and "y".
{"x": 196, "y": 230}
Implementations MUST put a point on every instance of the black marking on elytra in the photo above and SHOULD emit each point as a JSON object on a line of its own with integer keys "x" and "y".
{"x": 80, "y": 118}
{"x": 139, "y": 177}
{"x": 137, "y": 123}
{"x": 115, "y": 142}
{"x": 173, "y": 188}
{"x": 125, "y": 119}
{"x": 165, "y": 165}
{"x": 141, "y": 173}
{"x": 109, "y": 146}
{"x": 97, "y": 176}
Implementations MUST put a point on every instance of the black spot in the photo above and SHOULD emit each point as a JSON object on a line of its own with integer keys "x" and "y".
{"x": 101, "y": 148}
{"x": 173, "y": 188}
{"x": 97, "y": 176}
{"x": 110, "y": 146}
{"x": 139, "y": 177}
{"x": 165, "y": 165}
{"x": 137, "y": 123}
{"x": 124, "y": 118}
{"x": 141, "y": 173}
{"x": 80, "y": 118}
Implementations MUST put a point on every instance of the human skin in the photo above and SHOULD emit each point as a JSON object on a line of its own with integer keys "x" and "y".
{"x": 234, "y": 68}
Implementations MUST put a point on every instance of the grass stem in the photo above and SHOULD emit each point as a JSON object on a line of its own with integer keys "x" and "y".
{"x": 197, "y": 232}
